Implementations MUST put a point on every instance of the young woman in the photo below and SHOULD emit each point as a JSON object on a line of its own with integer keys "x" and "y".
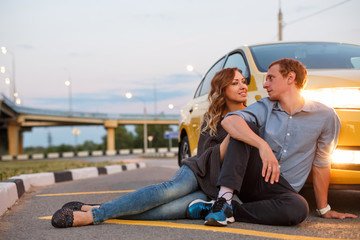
{"x": 196, "y": 179}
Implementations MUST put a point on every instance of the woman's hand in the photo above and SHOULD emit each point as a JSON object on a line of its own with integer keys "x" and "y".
{"x": 271, "y": 168}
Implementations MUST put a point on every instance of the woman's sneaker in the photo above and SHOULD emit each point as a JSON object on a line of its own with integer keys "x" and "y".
{"x": 198, "y": 209}
{"x": 220, "y": 214}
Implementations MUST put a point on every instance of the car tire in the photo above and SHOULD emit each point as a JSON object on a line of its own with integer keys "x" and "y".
{"x": 184, "y": 150}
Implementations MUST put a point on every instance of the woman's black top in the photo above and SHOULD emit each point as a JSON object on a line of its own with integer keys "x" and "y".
{"x": 206, "y": 164}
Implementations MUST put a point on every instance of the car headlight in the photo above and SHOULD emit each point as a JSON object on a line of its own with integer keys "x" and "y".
{"x": 346, "y": 156}
{"x": 335, "y": 97}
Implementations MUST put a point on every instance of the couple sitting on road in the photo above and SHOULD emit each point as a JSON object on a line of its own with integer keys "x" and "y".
{"x": 262, "y": 154}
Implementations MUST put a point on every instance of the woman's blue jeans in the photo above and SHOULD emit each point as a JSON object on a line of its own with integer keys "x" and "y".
{"x": 167, "y": 200}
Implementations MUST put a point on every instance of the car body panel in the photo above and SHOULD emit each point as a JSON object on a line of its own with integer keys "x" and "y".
{"x": 350, "y": 127}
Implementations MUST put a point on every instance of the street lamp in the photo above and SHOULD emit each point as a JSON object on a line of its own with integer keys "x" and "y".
{"x": 191, "y": 68}
{"x": 171, "y": 106}
{"x": 68, "y": 84}
{"x": 17, "y": 99}
{"x": 5, "y": 51}
{"x": 129, "y": 95}
{"x": 75, "y": 131}
{"x": 150, "y": 138}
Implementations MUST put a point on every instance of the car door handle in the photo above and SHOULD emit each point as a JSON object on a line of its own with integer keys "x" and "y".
{"x": 191, "y": 110}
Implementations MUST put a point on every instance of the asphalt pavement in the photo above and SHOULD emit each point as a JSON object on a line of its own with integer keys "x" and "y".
{"x": 29, "y": 217}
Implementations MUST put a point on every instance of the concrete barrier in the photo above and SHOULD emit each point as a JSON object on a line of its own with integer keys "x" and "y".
{"x": 110, "y": 153}
{"x": 14, "y": 187}
{"x": 37, "y": 156}
{"x": 124, "y": 151}
{"x": 97, "y": 153}
{"x": 8, "y": 196}
{"x": 142, "y": 164}
{"x": 83, "y": 154}
{"x": 113, "y": 169}
{"x": 68, "y": 154}
{"x": 40, "y": 179}
{"x": 53, "y": 155}
{"x": 83, "y": 173}
{"x": 26, "y": 181}
{"x": 7, "y": 158}
{"x": 130, "y": 166}
{"x": 151, "y": 150}
{"x": 162, "y": 150}
{"x": 22, "y": 157}
{"x": 137, "y": 151}
{"x": 170, "y": 154}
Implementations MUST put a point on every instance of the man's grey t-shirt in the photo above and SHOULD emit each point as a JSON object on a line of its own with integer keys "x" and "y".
{"x": 305, "y": 138}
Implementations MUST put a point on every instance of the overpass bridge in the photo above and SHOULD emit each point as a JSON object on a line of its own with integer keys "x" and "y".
{"x": 15, "y": 119}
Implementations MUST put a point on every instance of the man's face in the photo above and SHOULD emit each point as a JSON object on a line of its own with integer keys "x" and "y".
{"x": 275, "y": 83}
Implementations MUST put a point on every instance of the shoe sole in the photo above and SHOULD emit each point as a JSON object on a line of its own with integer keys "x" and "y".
{"x": 214, "y": 222}
{"x": 200, "y": 200}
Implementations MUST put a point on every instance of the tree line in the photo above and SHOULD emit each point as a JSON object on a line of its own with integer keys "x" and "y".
{"x": 124, "y": 139}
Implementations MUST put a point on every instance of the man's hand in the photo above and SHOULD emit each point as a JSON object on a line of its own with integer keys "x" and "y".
{"x": 271, "y": 168}
{"x": 337, "y": 215}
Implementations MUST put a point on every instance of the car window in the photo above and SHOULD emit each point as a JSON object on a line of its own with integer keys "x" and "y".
{"x": 314, "y": 55}
{"x": 197, "y": 92}
{"x": 237, "y": 60}
{"x": 205, "y": 84}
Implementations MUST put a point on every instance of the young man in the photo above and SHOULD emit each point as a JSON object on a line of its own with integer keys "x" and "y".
{"x": 274, "y": 144}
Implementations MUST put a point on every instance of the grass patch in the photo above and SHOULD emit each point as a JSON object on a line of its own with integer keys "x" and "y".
{"x": 16, "y": 168}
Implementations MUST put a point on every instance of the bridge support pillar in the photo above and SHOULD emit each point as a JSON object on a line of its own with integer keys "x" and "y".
{"x": 14, "y": 139}
{"x": 110, "y": 126}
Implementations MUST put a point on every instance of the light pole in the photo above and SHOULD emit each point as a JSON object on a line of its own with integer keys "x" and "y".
{"x": 129, "y": 95}
{"x": 68, "y": 84}
{"x": 191, "y": 68}
{"x": 150, "y": 138}
{"x": 280, "y": 22}
{"x": 75, "y": 131}
{"x": 4, "y": 50}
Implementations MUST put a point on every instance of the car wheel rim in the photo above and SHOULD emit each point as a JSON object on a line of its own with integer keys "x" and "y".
{"x": 185, "y": 151}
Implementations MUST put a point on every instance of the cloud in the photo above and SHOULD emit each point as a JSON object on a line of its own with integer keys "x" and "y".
{"x": 169, "y": 88}
{"x": 26, "y": 46}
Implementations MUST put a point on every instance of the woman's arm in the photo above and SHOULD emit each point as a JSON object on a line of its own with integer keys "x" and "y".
{"x": 223, "y": 147}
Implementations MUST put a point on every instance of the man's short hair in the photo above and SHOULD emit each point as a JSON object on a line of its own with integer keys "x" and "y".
{"x": 287, "y": 65}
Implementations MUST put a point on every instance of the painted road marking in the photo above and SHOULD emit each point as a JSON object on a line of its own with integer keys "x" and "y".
{"x": 214, "y": 229}
{"x": 82, "y": 193}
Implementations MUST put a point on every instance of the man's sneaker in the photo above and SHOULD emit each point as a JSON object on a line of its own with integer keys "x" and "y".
{"x": 220, "y": 214}
{"x": 198, "y": 209}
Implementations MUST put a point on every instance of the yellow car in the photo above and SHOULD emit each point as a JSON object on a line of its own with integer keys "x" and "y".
{"x": 333, "y": 79}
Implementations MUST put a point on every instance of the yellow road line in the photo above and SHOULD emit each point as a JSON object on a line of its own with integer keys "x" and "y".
{"x": 82, "y": 193}
{"x": 214, "y": 229}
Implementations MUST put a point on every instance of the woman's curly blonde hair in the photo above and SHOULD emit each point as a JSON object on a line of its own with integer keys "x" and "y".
{"x": 217, "y": 99}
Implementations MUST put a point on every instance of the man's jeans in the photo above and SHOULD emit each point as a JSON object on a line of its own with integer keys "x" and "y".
{"x": 167, "y": 200}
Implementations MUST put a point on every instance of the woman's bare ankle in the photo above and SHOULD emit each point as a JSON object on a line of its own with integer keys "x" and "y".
{"x": 82, "y": 218}
{"x": 87, "y": 208}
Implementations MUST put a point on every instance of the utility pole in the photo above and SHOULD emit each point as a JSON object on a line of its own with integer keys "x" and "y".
{"x": 155, "y": 100}
{"x": 280, "y": 22}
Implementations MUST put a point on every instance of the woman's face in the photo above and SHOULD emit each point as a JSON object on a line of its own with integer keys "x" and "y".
{"x": 236, "y": 91}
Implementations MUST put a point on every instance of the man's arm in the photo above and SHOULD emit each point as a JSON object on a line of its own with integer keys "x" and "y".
{"x": 239, "y": 130}
{"x": 321, "y": 171}
{"x": 321, "y": 181}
